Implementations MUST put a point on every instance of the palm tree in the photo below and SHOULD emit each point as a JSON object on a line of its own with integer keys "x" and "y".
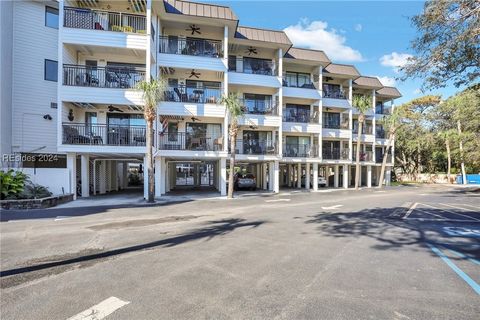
{"x": 362, "y": 103}
{"x": 235, "y": 111}
{"x": 153, "y": 91}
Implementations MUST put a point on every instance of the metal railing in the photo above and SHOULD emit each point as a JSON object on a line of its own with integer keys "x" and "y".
{"x": 253, "y": 66}
{"x": 380, "y": 134}
{"x": 188, "y": 141}
{"x": 301, "y": 117}
{"x": 300, "y": 150}
{"x": 263, "y": 107}
{"x": 81, "y": 18}
{"x": 256, "y": 146}
{"x": 366, "y": 129}
{"x": 335, "y": 154}
{"x": 379, "y": 157}
{"x": 334, "y": 94}
{"x": 336, "y": 125}
{"x": 310, "y": 85}
{"x": 102, "y": 77}
{"x": 191, "y": 47}
{"x": 193, "y": 94}
{"x": 103, "y": 134}
{"x": 364, "y": 156}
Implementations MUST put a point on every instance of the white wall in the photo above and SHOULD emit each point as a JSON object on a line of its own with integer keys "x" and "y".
{"x": 52, "y": 178}
{"x": 32, "y": 96}
{"x": 6, "y": 34}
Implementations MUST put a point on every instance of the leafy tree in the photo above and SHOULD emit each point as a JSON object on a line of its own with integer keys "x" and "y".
{"x": 235, "y": 111}
{"x": 153, "y": 92}
{"x": 447, "y": 46}
{"x": 362, "y": 103}
{"x": 12, "y": 183}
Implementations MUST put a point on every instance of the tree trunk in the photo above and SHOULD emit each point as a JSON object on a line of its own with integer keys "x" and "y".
{"x": 150, "y": 173}
{"x": 464, "y": 175}
{"x": 357, "y": 165}
{"x": 419, "y": 168}
{"x": 233, "y": 138}
{"x": 449, "y": 159}
{"x": 384, "y": 160}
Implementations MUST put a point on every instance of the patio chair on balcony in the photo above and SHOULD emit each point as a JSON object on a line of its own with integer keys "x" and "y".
{"x": 218, "y": 143}
{"x": 181, "y": 96}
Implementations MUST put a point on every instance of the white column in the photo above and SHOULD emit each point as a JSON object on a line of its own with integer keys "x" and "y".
{"x": 388, "y": 175}
{"x": 102, "y": 172}
{"x": 72, "y": 171}
{"x": 280, "y": 102}
{"x": 307, "y": 176}
{"x": 271, "y": 178}
{"x": 223, "y": 176}
{"x": 148, "y": 55}
{"x": 345, "y": 176}
{"x": 327, "y": 173}
{"x": 158, "y": 176}
{"x": 299, "y": 175}
{"x": 163, "y": 175}
{"x": 289, "y": 175}
{"x": 320, "y": 112}
{"x": 374, "y": 124}
{"x": 85, "y": 159}
{"x": 125, "y": 175}
{"x": 369, "y": 176}
{"x": 145, "y": 178}
{"x": 258, "y": 175}
{"x": 276, "y": 176}
{"x": 336, "y": 176}
{"x": 264, "y": 176}
{"x": 225, "y": 87}
{"x": 315, "y": 176}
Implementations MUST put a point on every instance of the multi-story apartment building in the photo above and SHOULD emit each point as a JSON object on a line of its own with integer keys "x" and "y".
{"x": 73, "y": 89}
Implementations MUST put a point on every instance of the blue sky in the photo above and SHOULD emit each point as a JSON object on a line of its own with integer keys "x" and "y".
{"x": 372, "y": 35}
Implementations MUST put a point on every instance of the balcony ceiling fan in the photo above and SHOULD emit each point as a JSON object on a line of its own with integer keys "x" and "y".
{"x": 111, "y": 108}
{"x": 195, "y": 119}
{"x": 251, "y": 50}
{"x": 194, "y": 74}
{"x": 328, "y": 79}
{"x": 194, "y": 29}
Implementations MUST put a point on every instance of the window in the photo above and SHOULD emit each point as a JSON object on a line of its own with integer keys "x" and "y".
{"x": 232, "y": 63}
{"x": 51, "y": 70}
{"x": 53, "y": 105}
{"x": 258, "y": 103}
{"x": 300, "y": 80}
{"x": 297, "y": 113}
{"x": 51, "y": 17}
{"x": 172, "y": 130}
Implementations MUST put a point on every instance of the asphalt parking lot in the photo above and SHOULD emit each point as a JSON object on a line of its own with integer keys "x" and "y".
{"x": 399, "y": 253}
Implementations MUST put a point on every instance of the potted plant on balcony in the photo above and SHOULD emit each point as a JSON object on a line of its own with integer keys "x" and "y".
{"x": 234, "y": 109}
{"x": 153, "y": 91}
{"x": 362, "y": 103}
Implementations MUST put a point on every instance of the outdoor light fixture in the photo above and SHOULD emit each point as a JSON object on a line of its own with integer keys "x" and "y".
{"x": 47, "y": 117}
{"x": 70, "y": 115}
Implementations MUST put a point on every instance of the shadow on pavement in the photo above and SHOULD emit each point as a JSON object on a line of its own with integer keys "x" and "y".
{"x": 211, "y": 230}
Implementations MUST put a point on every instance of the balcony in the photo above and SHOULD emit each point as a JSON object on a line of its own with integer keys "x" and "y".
{"x": 367, "y": 129}
{"x": 80, "y": 18}
{"x": 102, "y": 77}
{"x": 364, "y": 156}
{"x": 260, "y": 107}
{"x": 379, "y": 158}
{"x": 193, "y": 94}
{"x": 380, "y": 134}
{"x": 335, "y": 154}
{"x": 334, "y": 94}
{"x": 256, "y": 147}
{"x": 189, "y": 142}
{"x": 252, "y": 66}
{"x": 103, "y": 134}
{"x": 335, "y": 125}
{"x": 191, "y": 47}
{"x": 300, "y": 150}
{"x": 301, "y": 117}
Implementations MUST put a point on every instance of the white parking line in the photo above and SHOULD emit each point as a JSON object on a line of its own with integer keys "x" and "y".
{"x": 410, "y": 210}
{"x": 455, "y": 207}
{"x": 433, "y": 214}
{"x": 333, "y": 207}
{"x": 278, "y": 200}
{"x": 101, "y": 310}
{"x": 452, "y": 212}
{"x": 61, "y": 218}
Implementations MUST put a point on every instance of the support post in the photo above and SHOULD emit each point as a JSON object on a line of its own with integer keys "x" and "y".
{"x": 299, "y": 176}
{"x": 72, "y": 170}
{"x": 369, "y": 176}
{"x": 345, "y": 176}
{"x": 145, "y": 178}
{"x": 223, "y": 176}
{"x": 315, "y": 176}
{"x": 102, "y": 169}
{"x": 85, "y": 159}
{"x": 336, "y": 176}
{"x": 307, "y": 176}
{"x": 158, "y": 176}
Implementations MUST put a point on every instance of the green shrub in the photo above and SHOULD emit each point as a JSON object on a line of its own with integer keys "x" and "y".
{"x": 12, "y": 183}
{"x": 34, "y": 191}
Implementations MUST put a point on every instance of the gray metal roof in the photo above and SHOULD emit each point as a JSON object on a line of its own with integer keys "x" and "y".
{"x": 199, "y": 9}
{"x": 265, "y": 35}
{"x": 307, "y": 54}
{"x": 371, "y": 82}
{"x": 389, "y": 91}
{"x": 342, "y": 69}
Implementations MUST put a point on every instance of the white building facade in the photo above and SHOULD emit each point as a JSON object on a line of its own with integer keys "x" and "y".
{"x": 75, "y": 96}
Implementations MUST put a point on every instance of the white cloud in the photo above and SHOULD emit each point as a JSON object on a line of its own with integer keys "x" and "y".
{"x": 316, "y": 35}
{"x": 395, "y": 60}
{"x": 387, "y": 81}
{"x": 417, "y": 91}
{"x": 358, "y": 27}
